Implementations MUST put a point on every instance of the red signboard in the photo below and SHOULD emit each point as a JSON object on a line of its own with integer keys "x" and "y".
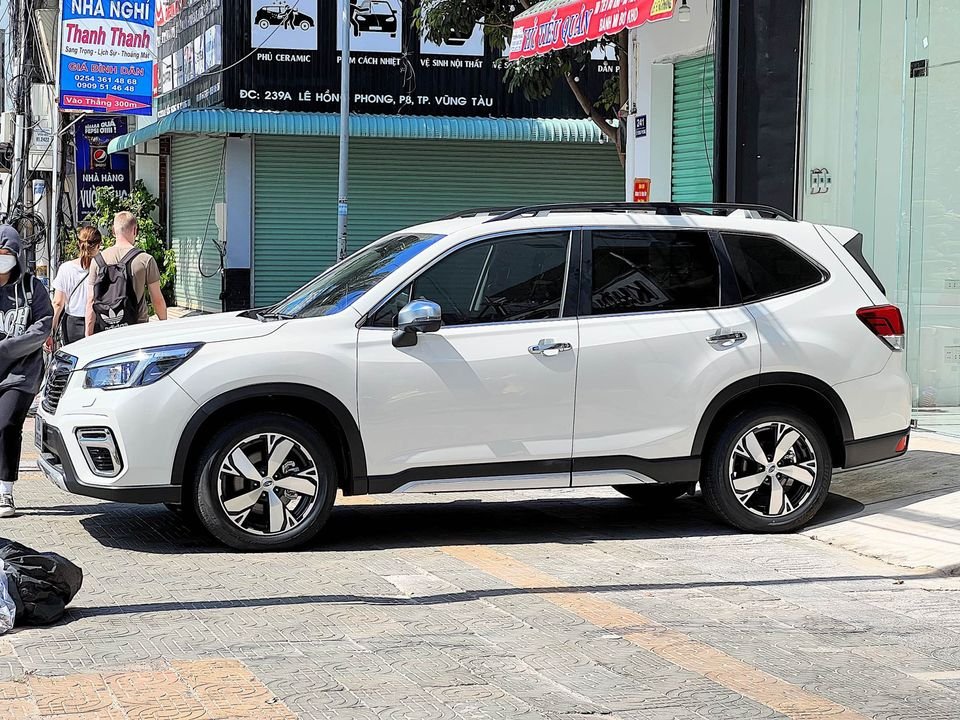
{"x": 557, "y": 24}
{"x": 641, "y": 190}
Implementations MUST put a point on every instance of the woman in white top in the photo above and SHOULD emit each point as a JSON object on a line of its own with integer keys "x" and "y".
{"x": 71, "y": 287}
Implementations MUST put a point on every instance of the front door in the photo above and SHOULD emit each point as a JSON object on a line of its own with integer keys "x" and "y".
{"x": 486, "y": 402}
{"x": 656, "y": 346}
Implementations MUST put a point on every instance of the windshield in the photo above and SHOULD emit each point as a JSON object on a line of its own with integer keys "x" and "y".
{"x": 342, "y": 285}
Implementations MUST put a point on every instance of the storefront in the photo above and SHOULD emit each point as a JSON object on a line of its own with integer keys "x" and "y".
{"x": 880, "y": 153}
{"x": 253, "y": 195}
{"x": 670, "y": 128}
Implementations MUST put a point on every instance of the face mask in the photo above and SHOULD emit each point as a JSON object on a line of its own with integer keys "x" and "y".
{"x": 7, "y": 263}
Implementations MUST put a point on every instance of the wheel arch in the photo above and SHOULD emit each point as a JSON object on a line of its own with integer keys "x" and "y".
{"x": 803, "y": 392}
{"x": 320, "y": 409}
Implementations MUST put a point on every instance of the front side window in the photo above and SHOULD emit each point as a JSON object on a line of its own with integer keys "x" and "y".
{"x": 504, "y": 280}
{"x": 766, "y": 266}
{"x": 343, "y": 284}
{"x": 638, "y": 271}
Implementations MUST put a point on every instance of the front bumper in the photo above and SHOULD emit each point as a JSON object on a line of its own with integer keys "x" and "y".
{"x": 145, "y": 423}
{"x": 56, "y": 465}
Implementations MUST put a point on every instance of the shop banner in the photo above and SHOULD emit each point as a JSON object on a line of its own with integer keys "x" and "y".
{"x": 95, "y": 167}
{"x": 557, "y": 24}
{"x": 107, "y": 49}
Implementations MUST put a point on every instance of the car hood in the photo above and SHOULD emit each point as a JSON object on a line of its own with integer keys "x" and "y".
{"x": 205, "y": 329}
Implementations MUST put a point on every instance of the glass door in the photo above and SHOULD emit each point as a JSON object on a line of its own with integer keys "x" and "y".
{"x": 933, "y": 217}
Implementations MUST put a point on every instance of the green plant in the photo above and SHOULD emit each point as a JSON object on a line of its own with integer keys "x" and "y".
{"x": 537, "y": 77}
{"x": 107, "y": 203}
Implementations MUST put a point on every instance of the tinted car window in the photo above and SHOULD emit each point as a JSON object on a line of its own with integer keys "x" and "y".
{"x": 644, "y": 271}
{"x": 766, "y": 266}
{"x": 504, "y": 280}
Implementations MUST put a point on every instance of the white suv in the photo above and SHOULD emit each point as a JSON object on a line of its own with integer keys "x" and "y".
{"x": 646, "y": 347}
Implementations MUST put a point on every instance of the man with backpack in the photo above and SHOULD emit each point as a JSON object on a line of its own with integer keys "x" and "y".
{"x": 120, "y": 277}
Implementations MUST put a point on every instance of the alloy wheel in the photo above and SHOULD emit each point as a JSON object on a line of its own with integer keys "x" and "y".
{"x": 268, "y": 484}
{"x": 773, "y": 469}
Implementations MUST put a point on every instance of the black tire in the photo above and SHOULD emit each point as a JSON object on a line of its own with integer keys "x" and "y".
{"x": 264, "y": 24}
{"x": 304, "y": 25}
{"x": 653, "y": 495}
{"x": 210, "y": 508}
{"x": 717, "y": 485}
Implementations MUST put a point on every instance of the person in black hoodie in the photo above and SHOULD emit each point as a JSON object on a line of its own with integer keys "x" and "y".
{"x": 27, "y": 317}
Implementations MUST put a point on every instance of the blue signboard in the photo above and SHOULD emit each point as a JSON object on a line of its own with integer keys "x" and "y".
{"x": 107, "y": 51}
{"x": 95, "y": 167}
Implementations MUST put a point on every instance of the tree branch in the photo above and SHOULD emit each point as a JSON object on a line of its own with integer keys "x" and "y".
{"x": 589, "y": 109}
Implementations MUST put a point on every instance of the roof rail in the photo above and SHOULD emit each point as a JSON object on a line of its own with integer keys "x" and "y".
{"x": 660, "y": 208}
{"x": 474, "y": 212}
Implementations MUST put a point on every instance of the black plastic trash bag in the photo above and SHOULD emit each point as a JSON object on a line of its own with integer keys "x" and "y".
{"x": 41, "y": 584}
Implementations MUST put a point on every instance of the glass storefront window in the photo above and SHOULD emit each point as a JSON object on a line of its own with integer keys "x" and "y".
{"x": 881, "y": 154}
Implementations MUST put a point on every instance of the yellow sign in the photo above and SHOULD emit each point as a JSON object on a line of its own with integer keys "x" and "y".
{"x": 661, "y": 7}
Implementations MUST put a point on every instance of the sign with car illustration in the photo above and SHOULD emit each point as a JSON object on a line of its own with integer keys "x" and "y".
{"x": 461, "y": 46}
{"x": 284, "y": 25}
{"x": 375, "y": 26}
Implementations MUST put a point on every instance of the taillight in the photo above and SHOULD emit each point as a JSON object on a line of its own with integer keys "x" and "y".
{"x": 886, "y": 322}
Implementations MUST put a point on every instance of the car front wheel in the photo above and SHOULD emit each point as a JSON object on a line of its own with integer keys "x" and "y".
{"x": 266, "y": 483}
{"x": 304, "y": 25}
{"x": 264, "y": 24}
{"x": 768, "y": 471}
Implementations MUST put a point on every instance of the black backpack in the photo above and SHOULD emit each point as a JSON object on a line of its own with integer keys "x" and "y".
{"x": 115, "y": 302}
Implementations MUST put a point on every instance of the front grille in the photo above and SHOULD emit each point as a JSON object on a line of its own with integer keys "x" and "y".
{"x": 57, "y": 376}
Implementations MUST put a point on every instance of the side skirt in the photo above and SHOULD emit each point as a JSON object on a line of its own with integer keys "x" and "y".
{"x": 538, "y": 475}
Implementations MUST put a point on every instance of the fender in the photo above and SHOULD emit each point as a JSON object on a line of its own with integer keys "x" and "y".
{"x": 357, "y": 481}
{"x": 731, "y": 392}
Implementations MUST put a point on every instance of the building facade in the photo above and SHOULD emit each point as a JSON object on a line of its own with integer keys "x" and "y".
{"x": 248, "y": 96}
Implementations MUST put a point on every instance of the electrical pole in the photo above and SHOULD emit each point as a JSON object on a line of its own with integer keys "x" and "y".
{"x": 343, "y": 177}
{"x": 21, "y": 147}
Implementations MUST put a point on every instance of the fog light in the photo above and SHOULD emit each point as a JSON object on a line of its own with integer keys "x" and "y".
{"x": 100, "y": 451}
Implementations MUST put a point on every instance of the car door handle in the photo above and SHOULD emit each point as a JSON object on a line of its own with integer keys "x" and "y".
{"x": 549, "y": 348}
{"x": 727, "y": 339}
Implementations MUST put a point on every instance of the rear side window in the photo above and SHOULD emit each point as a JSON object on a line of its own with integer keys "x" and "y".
{"x": 766, "y": 266}
{"x": 638, "y": 271}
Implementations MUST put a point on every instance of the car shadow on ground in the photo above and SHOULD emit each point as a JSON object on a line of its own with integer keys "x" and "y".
{"x": 387, "y": 522}
{"x": 391, "y": 524}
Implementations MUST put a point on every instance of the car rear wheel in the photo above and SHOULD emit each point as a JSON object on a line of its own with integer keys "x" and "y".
{"x": 266, "y": 483}
{"x": 264, "y": 24}
{"x": 769, "y": 470}
{"x": 304, "y": 25}
{"x": 650, "y": 494}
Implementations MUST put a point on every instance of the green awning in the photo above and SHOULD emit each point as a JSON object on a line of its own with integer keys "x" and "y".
{"x": 218, "y": 121}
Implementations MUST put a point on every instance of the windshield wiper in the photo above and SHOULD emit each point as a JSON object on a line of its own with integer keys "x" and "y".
{"x": 262, "y": 317}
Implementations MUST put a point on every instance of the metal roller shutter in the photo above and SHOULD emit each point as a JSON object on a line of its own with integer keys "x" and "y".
{"x": 693, "y": 111}
{"x": 195, "y": 168}
{"x": 397, "y": 183}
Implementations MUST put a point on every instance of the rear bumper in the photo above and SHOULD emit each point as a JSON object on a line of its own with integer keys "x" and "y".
{"x": 876, "y": 449}
{"x": 56, "y": 465}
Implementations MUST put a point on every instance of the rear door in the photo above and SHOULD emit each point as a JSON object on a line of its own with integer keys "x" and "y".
{"x": 659, "y": 339}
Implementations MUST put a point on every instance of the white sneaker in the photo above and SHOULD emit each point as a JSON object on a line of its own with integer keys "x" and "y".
{"x": 7, "y": 508}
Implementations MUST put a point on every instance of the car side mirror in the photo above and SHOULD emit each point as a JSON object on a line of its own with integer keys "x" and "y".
{"x": 419, "y": 316}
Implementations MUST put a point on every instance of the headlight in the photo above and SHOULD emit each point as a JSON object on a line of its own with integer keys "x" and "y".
{"x": 138, "y": 367}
